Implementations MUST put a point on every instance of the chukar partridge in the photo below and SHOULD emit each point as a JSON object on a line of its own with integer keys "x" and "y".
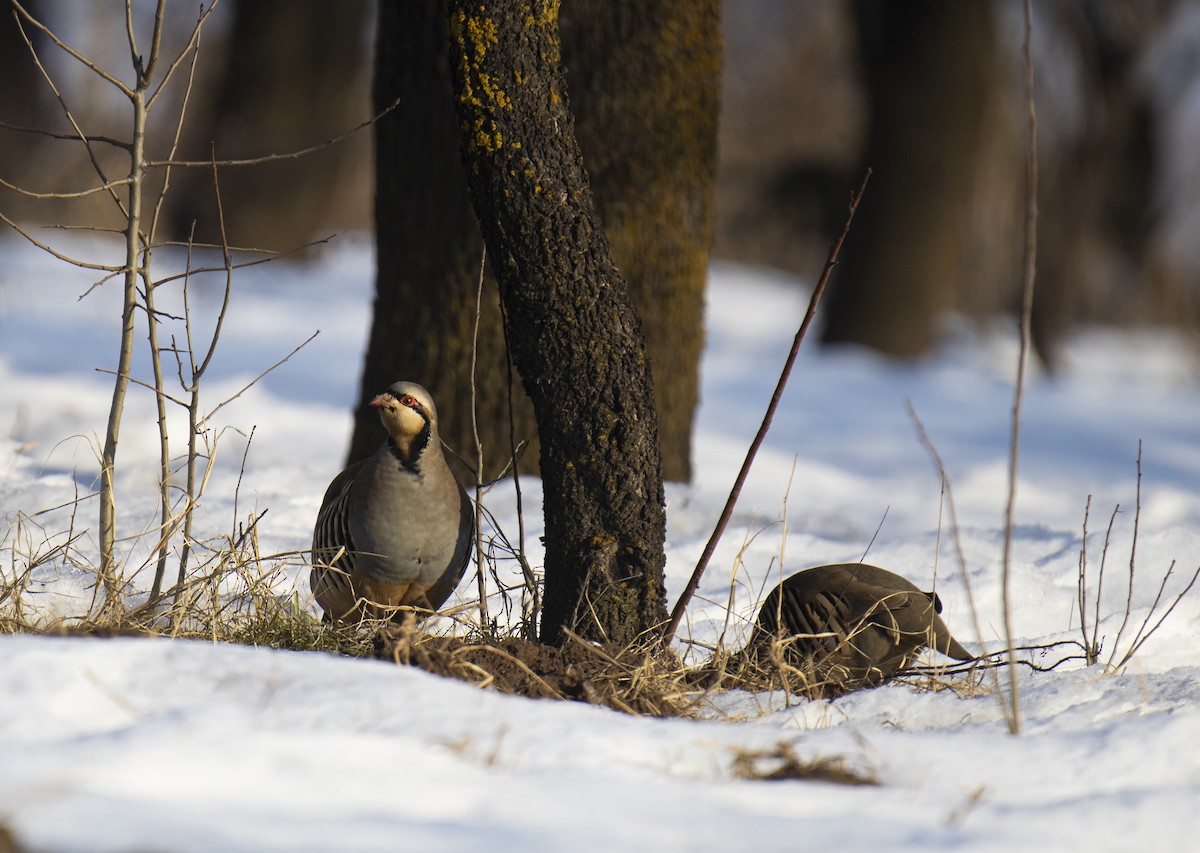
{"x": 852, "y": 624}
{"x": 396, "y": 528}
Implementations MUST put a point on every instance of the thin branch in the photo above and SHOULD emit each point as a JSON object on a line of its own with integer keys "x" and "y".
{"x": 1137, "y": 517}
{"x": 83, "y": 60}
{"x": 160, "y": 402}
{"x": 109, "y": 268}
{"x": 1031, "y": 211}
{"x": 228, "y": 267}
{"x": 1100, "y": 577}
{"x": 192, "y": 46}
{"x": 183, "y": 108}
{"x": 480, "y": 574}
{"x": 272, "y": 158}
{"x": 1081, "y": 583}
{"x": 144, "y": 384}
{"x": 155, "y": 45}
{"x": 533, "y": 602}
{"x": 947, "y": 488}
{"x": 192, "y": 386}
{"x": 735, "y": 492}
{"x": 134, "y": 58}
{"x": 256, "y": 379}
{"x": 108, "y": 187}
{"x": 69, "y": 137}
{"x": 1139, "y": 639}
{"x": 83, "y": 137}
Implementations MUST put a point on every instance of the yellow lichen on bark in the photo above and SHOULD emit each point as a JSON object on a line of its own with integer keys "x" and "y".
{"x": 477, "y": 35}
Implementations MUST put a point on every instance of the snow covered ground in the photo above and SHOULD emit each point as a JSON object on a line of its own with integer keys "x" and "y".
{"x": 156, "y": 745}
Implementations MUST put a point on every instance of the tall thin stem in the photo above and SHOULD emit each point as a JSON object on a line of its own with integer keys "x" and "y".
{"x": 736, "y": 491}
{"x": 1031, "y": 214}
{"x": 108, "y": 461}
{"x": 481, "y": 573}
{"x": 132, "y": 270}
{"x": 164, "y": 442}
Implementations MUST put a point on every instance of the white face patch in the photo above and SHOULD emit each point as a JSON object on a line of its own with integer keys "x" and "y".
{"x": 401, "y": 421}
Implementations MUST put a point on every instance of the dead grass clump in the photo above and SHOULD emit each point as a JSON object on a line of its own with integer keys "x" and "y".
{"x": 782, "y": 764}
{"x": 771, "y": 666}
{"x": 635, "y": 680}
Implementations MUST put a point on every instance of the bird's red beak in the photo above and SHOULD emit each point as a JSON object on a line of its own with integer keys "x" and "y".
{"x": 382, "y": 401}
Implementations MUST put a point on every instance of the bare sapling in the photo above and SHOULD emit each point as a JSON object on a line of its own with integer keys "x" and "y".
{"x": 1089, "y": 618}
{"x": 139, "y": 205}
{"x": 1031, "y": 218}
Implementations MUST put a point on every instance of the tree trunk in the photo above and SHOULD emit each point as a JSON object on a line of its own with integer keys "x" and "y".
{"x": 647, "y": 108}
{"x": 930, "y": 65}
{"x": 644, "y": 79}
{"x": 428, "y": 253}
{"x": 576, "y": 338}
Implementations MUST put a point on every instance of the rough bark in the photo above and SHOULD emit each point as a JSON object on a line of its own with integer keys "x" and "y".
{"x": 576, "y": 337}
{"x": 644, "y": 79}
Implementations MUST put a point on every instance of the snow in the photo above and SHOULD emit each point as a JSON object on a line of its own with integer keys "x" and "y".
{"x": 122, "y": 744}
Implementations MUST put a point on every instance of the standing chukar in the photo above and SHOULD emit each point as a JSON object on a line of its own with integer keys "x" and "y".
{"x": 395, "y": 528}
{"x": 852, "y": 624}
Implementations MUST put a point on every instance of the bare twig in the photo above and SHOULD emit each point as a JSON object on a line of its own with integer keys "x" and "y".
{"x": 155, "y": 352}
{"x": 735, "y": 492}
{"x": 108, "y": 268}
{"x": 192, "y": 47}
{"x": 1031, "y": 211}
{"x": 64, "y": 195}
{"x": 70, "y": 137}
{"x": 260, "y": 375}
{"x": 1143, "y": 634}
{"x": 948, "y": 491}
{"x": 196, "y": 374}
{"x": 79, "y": 134}
{"x": 1137, "y": 518}
{"x": 480, "y": 573}
{"x": 1081, "y": 588}
{"x": 272, "y": 158}
{"x": 1095, "y": 644}
{"x": 533, "y": 600}
{"x": 164, "y": 441}
{"x": 70, "y": 51}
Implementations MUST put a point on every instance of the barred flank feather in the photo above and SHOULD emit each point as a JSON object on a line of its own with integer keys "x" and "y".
{"x": 858, "y": 621}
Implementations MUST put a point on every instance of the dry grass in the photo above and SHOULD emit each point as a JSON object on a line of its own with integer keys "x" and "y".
{"x": 782, "y": 764}
{"x": 231, "y": 595}
{"x": 1088, "y": 598}
{"x": 642, "y": 680}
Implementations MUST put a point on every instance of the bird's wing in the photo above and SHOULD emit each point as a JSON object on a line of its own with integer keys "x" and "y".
{"x": 333, "y": 551}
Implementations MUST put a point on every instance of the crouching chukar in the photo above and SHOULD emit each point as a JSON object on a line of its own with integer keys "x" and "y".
{"x": 395, "y": 528}
{"x": 851, "y": 625}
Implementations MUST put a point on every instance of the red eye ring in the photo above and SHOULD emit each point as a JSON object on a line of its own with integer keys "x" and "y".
{"x": 408, "y": 400}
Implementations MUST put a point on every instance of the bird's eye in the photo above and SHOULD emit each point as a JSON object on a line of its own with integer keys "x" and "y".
{"x": 408, "y": 400}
